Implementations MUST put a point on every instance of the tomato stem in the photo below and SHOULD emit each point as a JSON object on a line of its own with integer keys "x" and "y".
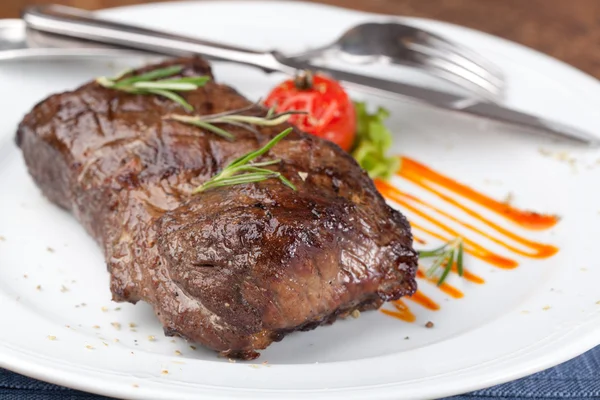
{"x": 304, "y": 80}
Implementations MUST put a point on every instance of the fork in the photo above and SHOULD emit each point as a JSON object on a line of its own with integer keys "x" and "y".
{"x": 400, "y": 44}
{"x": 74, "y": 23}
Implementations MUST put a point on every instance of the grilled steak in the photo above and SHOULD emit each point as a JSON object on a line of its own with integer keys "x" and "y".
{"x": 234, "y": 268}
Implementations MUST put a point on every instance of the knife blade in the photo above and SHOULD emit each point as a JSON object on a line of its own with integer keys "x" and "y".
{"x": 451, "y": 102}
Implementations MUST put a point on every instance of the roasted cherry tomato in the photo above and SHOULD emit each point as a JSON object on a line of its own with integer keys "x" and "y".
{"x": 330, "y": 112}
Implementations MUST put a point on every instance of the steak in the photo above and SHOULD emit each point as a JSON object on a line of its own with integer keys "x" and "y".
{"x": 233, "y": 268}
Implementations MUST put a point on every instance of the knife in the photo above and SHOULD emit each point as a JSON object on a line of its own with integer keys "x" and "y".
{"x": 79, "y": 24}
{"x": 456, "y": 103}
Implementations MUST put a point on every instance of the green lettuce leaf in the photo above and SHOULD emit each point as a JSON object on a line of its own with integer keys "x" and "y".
{"x": 372, "y": 142}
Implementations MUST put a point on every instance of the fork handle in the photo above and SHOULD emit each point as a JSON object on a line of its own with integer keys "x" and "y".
{"x": 76, "y": 23}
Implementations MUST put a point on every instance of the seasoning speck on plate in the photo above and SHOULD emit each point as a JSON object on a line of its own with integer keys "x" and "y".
{"x": 89, "y": 347}
{"x": 509, "y": 198}
{"x": 164, "y": 372}
{"x": 38, "y": 287}
{"x": 64, "y": 289}
{"x": 116, "y": 325}
{"x": 355, "y": 314}
{"x": 51, "y": 337}
{"x": 546, "y": 308}
{"x": 151, "y": 338}
{"x": 104, "y": 309}
{"x": 429, "y": 324}
{"x": 177, "y": 353}
{"x": 50, "y": 249}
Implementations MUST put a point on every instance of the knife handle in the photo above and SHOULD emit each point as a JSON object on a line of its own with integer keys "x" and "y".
{"x": 80, "y": 24}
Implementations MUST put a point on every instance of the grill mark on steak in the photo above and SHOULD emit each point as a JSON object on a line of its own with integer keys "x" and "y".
{"x": 233, "y": 268}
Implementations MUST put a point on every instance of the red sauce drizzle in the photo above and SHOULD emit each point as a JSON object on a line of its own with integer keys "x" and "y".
{"x": 444, "y": 287}
{"x": 402, "y": 312}
{"x": 471, "y": 246}
{"x": 432, "y": 181}
{"x": 425, "y": 176}
{"x": 425, "y": 301}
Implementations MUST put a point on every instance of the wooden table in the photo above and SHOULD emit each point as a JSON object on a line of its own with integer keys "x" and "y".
{"x": 566, "y": 29}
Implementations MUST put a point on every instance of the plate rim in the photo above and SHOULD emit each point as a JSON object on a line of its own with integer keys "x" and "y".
{"x": 575, "y": 347}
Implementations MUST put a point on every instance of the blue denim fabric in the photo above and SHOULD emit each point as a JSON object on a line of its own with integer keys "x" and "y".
{"x": 577, "y": 379}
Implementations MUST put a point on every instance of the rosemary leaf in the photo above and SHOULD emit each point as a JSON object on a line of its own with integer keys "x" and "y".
{"x": 154, "y": 82}
{"x": 236, "y": 180}
{"x": 235, "y": 118}
{"x": 121, "y": 74}
{"x": 241, "y": 171}
{"x": 252, "y": 168}
{"x": 149, "y": 76}
{"x": 247, "y": 127}
{"x": 254, "y": 120}
{"x": 104, "y": 81}
{"x": 196, "y": 80}
{"x": 445, "y": 257}
{"x": 202, "y": 124}
{"x": 459, "y": 259}
{"x": 435, "y": 265}
{"x": 180, "y": 86}
{"x": 257, "y": 153}
{"x": 266, "y": 163}
{"x": 287, "y": 182}
{"x": 432, "y": 253}
{"x": 172, "y": 96}
{"x": 447, "y": 264}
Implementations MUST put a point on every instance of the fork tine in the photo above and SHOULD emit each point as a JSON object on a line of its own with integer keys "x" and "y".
{"x": 471, "y": 68}
{"x": 463, "y": 53}
{"x": 460, "y": 66}
{"x": 454, "y": 74}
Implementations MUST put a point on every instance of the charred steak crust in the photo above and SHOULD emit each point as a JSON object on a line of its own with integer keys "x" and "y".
{"x": 233, "y": 268}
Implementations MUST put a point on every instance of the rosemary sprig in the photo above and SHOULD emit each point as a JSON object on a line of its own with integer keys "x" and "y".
{"x": 156, "y": 82}
{"x": 241, "y": 171}
{"x": 236, "y": 118}
{"x": 445, "y": 257}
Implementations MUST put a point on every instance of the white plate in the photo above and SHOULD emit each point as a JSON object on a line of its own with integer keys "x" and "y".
{"x": 484, "y": 339}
